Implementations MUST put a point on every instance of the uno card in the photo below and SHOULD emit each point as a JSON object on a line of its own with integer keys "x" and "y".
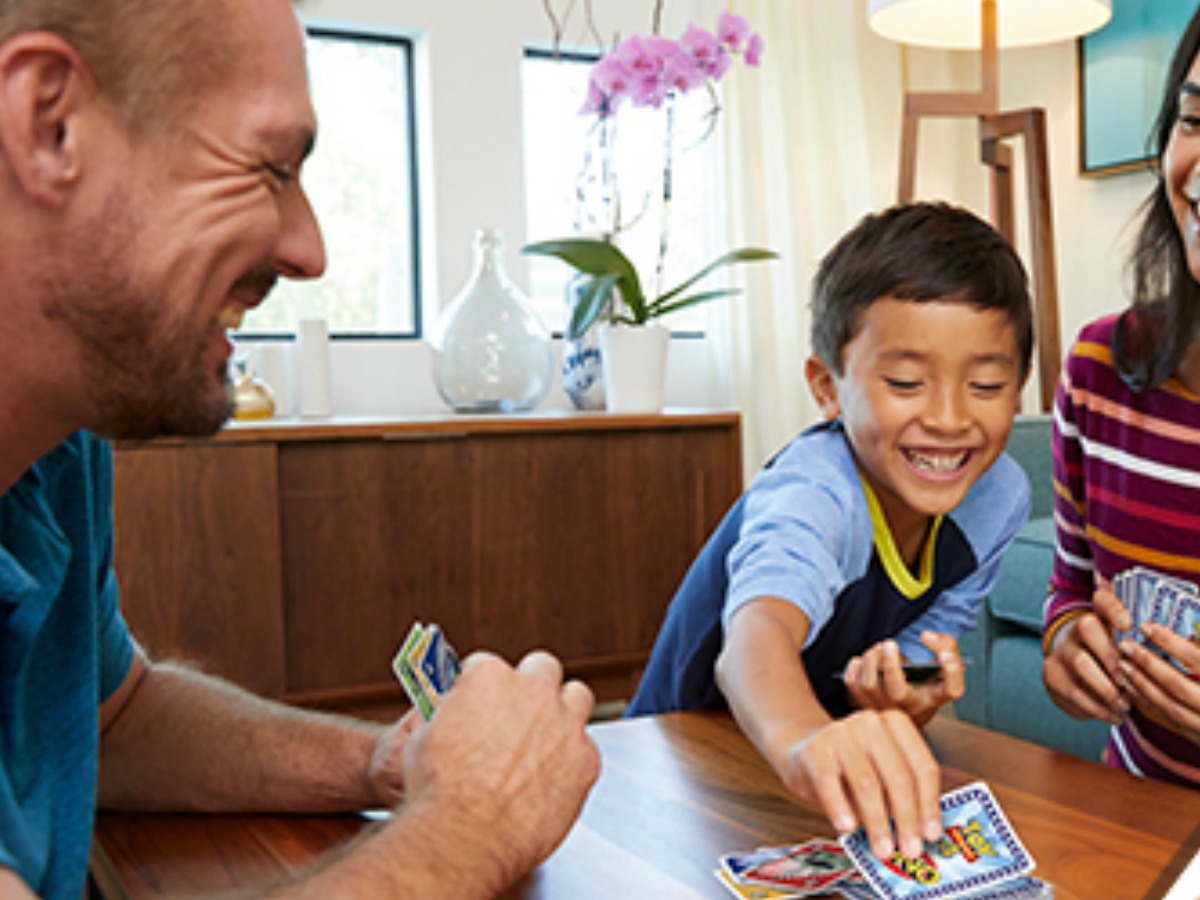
{"x": 1122, "y": 588}
{"x": 1185, "y": 619}
{"x": 407, "y": 677}
{"x": 753, "y": 891}
{"x": 736, "y": 864}
{"x": 413, "y": 660}
{"x": 1024, "y": 888}
{"x": 978, "y": 850}
{"x": 810, "y": 868}
{"x": 436, "y": 660}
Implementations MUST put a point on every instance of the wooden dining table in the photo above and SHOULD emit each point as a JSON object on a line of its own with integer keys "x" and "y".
{"x": 678, "y": 791}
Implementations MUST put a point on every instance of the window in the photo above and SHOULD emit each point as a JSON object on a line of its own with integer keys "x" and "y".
{"x": 362, "y": 183}
{"x": 556, "y": 147}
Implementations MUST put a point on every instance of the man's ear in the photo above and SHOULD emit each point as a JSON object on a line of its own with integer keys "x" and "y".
{"x": 43, "y": 83}
{"x": 823, "y": 387}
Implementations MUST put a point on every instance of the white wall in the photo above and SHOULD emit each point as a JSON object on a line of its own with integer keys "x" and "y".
{"x": 469, "y": 54}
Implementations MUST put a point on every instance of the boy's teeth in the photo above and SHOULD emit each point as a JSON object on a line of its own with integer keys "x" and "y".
{"x": 941, "y": 462}
{"x": 229, "y": 318}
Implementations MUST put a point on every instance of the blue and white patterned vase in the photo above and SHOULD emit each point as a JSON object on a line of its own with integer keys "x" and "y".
{"x": 582, "y": 368}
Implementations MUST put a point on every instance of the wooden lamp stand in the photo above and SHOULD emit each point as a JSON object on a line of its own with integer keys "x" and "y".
{"x": 995, "y": 130}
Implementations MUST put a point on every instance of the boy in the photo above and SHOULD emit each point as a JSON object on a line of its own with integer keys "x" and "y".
{"x": 871, "y": 538}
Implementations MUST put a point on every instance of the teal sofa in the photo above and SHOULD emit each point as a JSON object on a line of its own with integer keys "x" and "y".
{"x": 1004, "y": 676}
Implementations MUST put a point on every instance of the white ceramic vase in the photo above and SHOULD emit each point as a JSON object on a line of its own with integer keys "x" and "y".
{"x": 635, "y": 366}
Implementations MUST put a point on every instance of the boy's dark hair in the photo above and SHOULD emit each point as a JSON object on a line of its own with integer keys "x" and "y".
{"x": 1153, "y": 335}
{"x": 918, "y": 252}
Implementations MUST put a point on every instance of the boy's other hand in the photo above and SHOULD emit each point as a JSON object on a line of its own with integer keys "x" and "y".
{"x": 876, "y": 679}
{"x": 1082, "y": 671}
{"x": 871, "y": 768}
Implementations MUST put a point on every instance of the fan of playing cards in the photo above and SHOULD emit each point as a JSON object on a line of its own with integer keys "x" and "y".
{"x": 1152, "y": 597}
{"x": 427, "y": 667}
{"x": 979, "y": 856}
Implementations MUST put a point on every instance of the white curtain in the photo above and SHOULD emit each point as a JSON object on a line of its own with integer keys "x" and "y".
{"x": 811, "y": 140}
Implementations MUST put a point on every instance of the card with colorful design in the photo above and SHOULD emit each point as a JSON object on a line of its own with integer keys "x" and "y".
{"x": 426, "y": 666}
{"x": 979, "y": 850}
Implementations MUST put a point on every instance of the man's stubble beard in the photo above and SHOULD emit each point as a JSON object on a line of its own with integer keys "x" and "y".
{"x": 145, "y": 371}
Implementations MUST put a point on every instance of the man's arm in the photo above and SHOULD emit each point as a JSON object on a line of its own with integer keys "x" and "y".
{"x": 490, "y": 787}
{"x": 870, "y": 767}
{"x": 173, "y": 739}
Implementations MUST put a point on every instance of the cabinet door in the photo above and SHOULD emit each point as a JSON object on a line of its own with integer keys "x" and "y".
{"x": 197, "y": 556}
{"x": 585, "y": 536}
{"x": 377, "y": 534}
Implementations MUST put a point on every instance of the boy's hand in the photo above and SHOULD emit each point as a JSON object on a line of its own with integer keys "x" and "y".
{"x": 871, "y": 768}
{"x": 1082, "y": 672}
{"x": 876, "y": 679}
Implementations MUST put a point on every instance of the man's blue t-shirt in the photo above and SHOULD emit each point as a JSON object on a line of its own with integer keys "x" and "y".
{"x": 810, "y": 531}
{"x": 63, "y": 649}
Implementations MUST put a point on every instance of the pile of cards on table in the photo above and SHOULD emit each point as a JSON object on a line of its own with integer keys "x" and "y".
{"x": 979, "y": 856}
{"x": 426, "y": 666}
{"x": 1153, "y": 597}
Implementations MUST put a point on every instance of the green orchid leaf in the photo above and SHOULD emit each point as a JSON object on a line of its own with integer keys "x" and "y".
{"x": 661, "y": 308}
{"x": 743, "y": 254}
{"x": 590, "y": 304}
{"x": 597, "y": 258}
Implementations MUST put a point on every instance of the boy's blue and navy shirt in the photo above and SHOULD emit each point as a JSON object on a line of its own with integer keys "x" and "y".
{"x": 810, "y": 532}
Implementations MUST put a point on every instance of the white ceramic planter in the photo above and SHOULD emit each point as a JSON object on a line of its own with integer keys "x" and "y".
{"x": 635, "y": 366}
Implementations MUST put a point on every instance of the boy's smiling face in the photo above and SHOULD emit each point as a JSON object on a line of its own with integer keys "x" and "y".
{"x": 927, "y": 395}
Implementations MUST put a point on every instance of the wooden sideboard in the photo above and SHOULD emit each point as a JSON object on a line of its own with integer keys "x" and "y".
{"x": 292, "y": 557}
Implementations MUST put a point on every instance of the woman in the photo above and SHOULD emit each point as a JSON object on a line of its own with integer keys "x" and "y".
{"x": 1127, "y": 471}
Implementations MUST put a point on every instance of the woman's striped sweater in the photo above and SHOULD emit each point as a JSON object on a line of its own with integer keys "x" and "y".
{"x": 1127, "y": 493}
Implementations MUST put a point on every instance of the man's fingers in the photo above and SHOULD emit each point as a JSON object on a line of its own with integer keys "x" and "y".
{"x": 579, "y": 699}
{"x": 541, "y": 664}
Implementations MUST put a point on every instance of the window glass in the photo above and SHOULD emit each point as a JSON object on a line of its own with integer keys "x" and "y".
{"x": 361, "y": 181}
{"x": 563, "y": 158}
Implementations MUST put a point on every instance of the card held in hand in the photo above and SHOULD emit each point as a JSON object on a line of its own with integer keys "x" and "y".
{"x": 426, "y": 667}
{"x": 979, "y": 850}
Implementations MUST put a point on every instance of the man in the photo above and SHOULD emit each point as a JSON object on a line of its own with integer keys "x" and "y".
{"x": 149, "y": 161}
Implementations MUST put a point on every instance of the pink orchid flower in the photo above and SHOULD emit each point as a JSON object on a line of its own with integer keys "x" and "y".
{"x": 732, "y": 30}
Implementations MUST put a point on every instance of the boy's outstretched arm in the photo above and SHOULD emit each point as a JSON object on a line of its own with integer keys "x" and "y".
{"x": 872, "y": 767}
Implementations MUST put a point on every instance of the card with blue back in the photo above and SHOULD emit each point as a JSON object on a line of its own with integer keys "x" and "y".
{"x": 979, "y": 850}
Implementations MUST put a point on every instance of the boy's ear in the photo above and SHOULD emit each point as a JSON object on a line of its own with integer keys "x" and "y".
{"x": 823, "y": 387}
{"x": 43, "y": 84}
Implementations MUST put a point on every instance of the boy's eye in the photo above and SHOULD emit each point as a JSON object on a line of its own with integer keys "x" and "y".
{"x": 902, "y": 384}
{"x": 988, "y": 387}
{"x": 1189, "y": 122}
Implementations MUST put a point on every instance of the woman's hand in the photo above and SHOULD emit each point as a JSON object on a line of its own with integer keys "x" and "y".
{"x": 1159, "y": 689}
{"x": 1082, "y": 672}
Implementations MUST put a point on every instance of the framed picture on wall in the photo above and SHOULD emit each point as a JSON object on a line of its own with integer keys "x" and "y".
{"x": 1121, "y": 71}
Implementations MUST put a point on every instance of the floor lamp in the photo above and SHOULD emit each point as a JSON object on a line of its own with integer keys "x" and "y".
{"x": 989, "y": 25}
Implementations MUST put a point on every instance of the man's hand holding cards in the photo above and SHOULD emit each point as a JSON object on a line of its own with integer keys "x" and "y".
{"x": 426, "y": 666}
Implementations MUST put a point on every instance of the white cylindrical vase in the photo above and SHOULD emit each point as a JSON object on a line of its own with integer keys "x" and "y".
{"x": 635, "y": 366}
{"x": 313, "y": 382}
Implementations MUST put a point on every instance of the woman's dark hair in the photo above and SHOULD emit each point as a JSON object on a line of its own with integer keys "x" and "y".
{"x": 918, "y": 252}
{"x": 1153, "y": 335}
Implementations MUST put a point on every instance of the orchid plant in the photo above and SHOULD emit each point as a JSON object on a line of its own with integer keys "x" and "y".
{"x": 651, "y": 72}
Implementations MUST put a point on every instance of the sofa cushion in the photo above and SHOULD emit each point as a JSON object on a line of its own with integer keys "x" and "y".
{"x": 1020, "y": 591}
{"x": 1019, "y": 705}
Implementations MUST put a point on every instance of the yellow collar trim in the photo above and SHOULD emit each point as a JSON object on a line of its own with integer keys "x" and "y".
{"x": 889, "y": 555}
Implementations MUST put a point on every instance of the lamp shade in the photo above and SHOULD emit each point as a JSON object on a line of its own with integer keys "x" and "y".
{"x": 955, "y": 24}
